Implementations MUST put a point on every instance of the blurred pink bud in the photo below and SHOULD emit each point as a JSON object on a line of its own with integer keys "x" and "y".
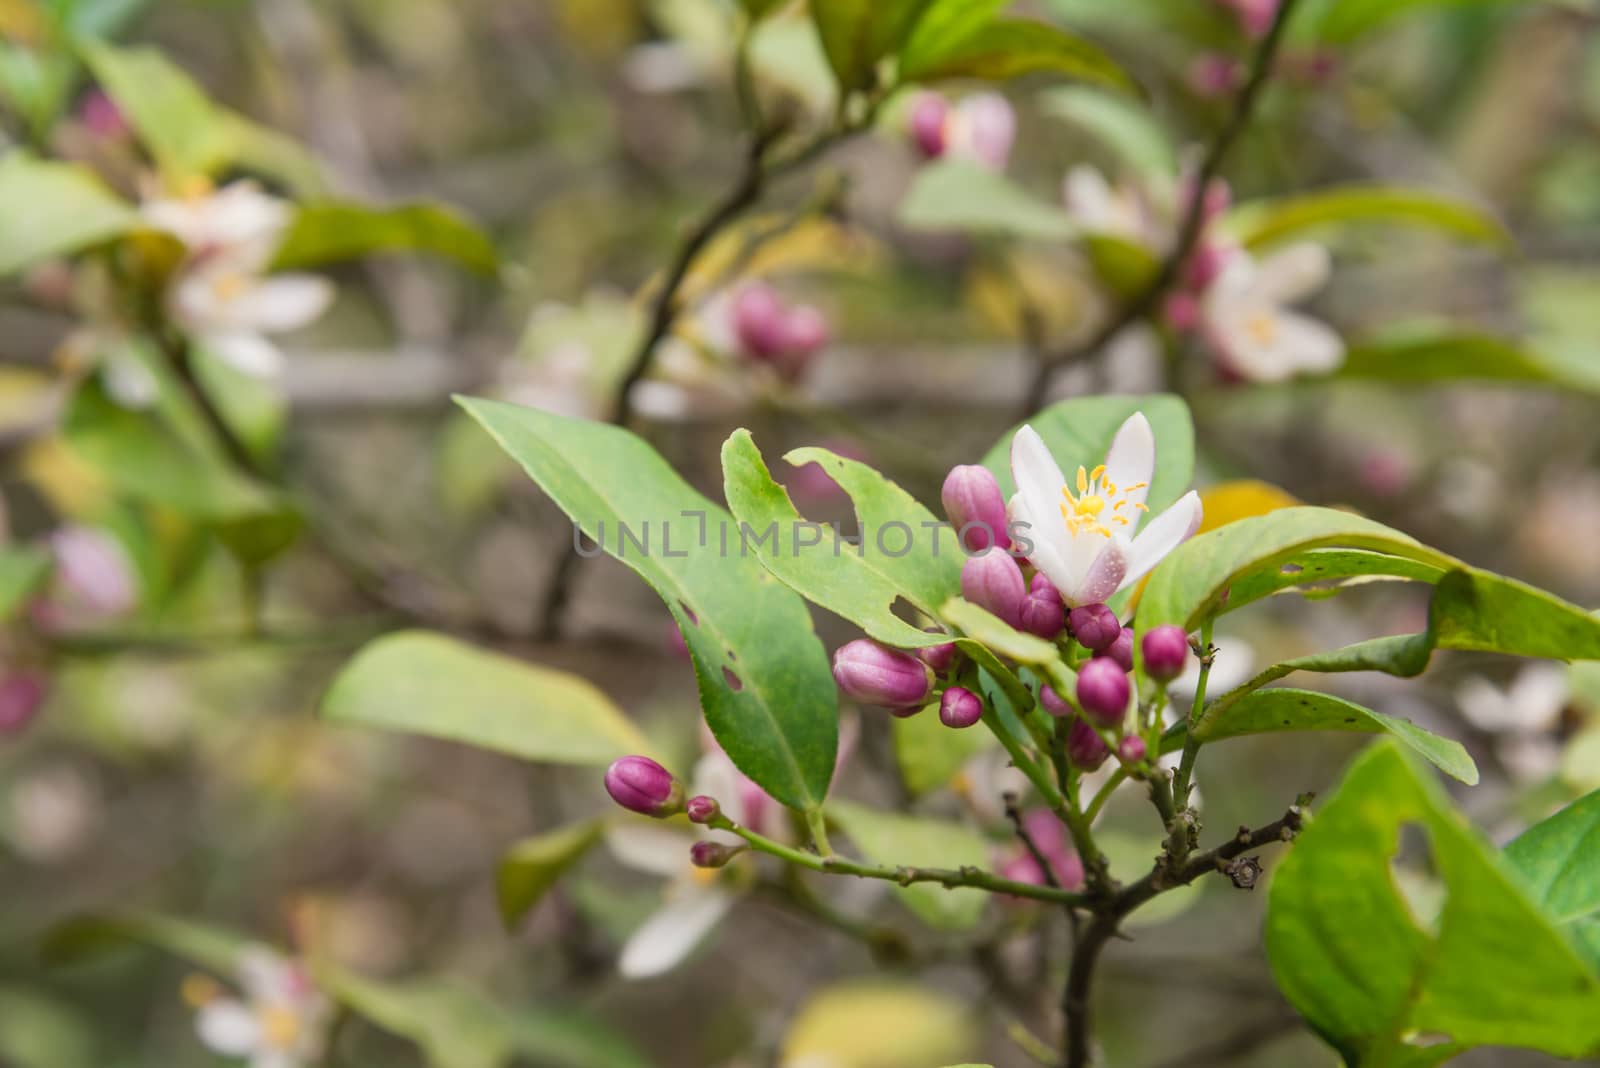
{"x": 640, "y": 785}
{"x": 1385, "y": 472}
{"x": 707, "y": 854}
{"x": 984, "y": 129}
{"x": 1054, "y": 703}
{"x": 1131, "y": 749}
{"x": 1255, "y": 16}
{"x": 1085, "y": 748}
{"x": 938, "y": 657}
{"x": 22, "y": 694}
{"x": 1214, "y": 75}
{"x": 759, "y": 321}
{"x": 928, "y": 114}
{"x": 975, "y": 507}
{"x": 875, "y": 675}
{"x": 1022, "y": 868}
{"x": 1103, "y": 691}
{"x": 101, "y": 116}
{"x": 1182, "y": 312}
{"x": 993, "y": 581}
{"x": 1121, "y": 650}
{"x": 94, "y": 580}
{"x": 803, "y": 334}
{"x": 960, "y": 708}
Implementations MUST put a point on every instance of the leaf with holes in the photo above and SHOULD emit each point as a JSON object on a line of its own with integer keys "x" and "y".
{"x": 1386, "y": 986}
{"x": 1267, "y": 711}
{"x": 765, "y": 687}
{"x": 862, "y": 585}
{"x": 1559, "y": 860}
{"x": 910, "y": 841}
{"x": 534, "y": 865}
{"x": 427, "y": 683}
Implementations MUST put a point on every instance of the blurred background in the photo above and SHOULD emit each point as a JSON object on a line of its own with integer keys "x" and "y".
{"x": 164, "y": 749}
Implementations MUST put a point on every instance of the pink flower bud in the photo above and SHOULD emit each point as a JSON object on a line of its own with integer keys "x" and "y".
{"x": 993, "y": 581}
{"x": 1054, "y": 703}
{"x": 874, "y": 675}
{"x": 905, "y": 713}
{"x": 101, "y": 116}
{"x": 1182, "y": 311}
{"x": 94, "y": 580}
{"x": 937, "y": 657}
{"x": 975, "y": 507}
{"x": 1212, "y": 75}
{"x": 1043, "y": 614}
{"x": 960, "y": 708}
{"x": 1166, "y": 651}
{"x": 706, "y": 854}
{"x": 804, "y": 333}
{"x": 702, "y": 809}
{"x": 983, "y": 129}
{"x": 1130, "y": 749}
{"x": 640, "y": 785}
{"x": 1094, "y": 626}
{"x": 760, "y": 321}
{"x": 928, "y": 114}
{"x": 1255, "y": 16}
{"x": 1022, "y": 868}
{"x": 1103, "y": 691}
{"x": 1085, "y": 749}
{"x": 22, "y": 694}
{"x": 1120, "y": 651}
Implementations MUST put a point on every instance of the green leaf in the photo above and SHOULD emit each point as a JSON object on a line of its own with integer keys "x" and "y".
{"x": 978, "y": 625}
{"x": 957, "y": 194}
{"x": 862, "y": 586}
{"x": 931, "y": 755}
{"x": 1266, "y": 711}
{"x": 457, "y": 1027}
{"x": 1451, "y": 357}
{"x": 164, "y": 457}
{"x": 758, "y": 9}
{"x": 534, "y": 865}
{"x": 893, "y": 839}
{"x": 1079, "y": 431}
{"x": 868, "y": 1023}
{"x": 55, "y": 209}
{"x": 23, "y": 570}
{"x": 1320, "y": 573}
{"x": 1342, "y": 21}
{"x": 765, "y": 686}
{"x": 1126, "y": 267}
{"x": 329, "y": 231}
{"x": 1270, "y": 222}
{"x": 1124, "y": 127}
{"x": 1559, "y": 860}
{"x": 429, "y": 684}
{"x": 1003, "y": 48}
{"x": 1387, "y": 987}
{"x": 89, "y": 936}
{"x": 856, "y": 34}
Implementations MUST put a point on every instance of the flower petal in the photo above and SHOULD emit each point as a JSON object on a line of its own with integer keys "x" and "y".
{"x": 1294, "y": 273}
{"x": 227, "y": 1027}
{"x": 670, "y": 935}
{"x": 1037, "y": 475}
{"x": 1046, "y": 553}
{"x": 1165, "y": 533}
{"x": 1309, "y": 345}
{"x": 284, "y": 302}
{"x": 650, "y": 849}
{"x": 1131, "y": 461}
{"x": 250, "y": 353}
{"x": 1106, "y": 575}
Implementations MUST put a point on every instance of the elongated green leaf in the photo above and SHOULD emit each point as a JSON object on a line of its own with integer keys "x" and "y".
{"x": 982, "y": 627}
{"x": 1324, "y": 572}
{"x": 54, "y": 209}
{"x": 1128, "y": 130}
{"x": 1270, "y": 222}
{"x": 1003, "y": 48}
{"x": 23, "y": 569}
{"x": 1388, "y": 987}
{"x": 330, "y": 231}
{"x": 856, "y": 34}
{"x": 765, "y": 686}
{"x": 1266, "y": 711}
{"x": 1452, "y": 357}
{"x": 430, "y": 684}
{"x": 88, "y": 936}
{"x": 1560, "y": 858}
{"x": 931, "y": 755}
{"x": 909, "y": 841}
{"x": 1079, "y": 431}
{"x": 860, "y": 585}
{"x": 1124, "y": 266}
{"x": 957, "y": 194}
{"x": 535, "y": 864}
{"x": 1343, "y": 21}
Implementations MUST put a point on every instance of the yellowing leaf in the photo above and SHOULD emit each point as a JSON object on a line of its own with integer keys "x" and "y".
{"x": 808, "y": 245}
{"x": 876, "y": 1025}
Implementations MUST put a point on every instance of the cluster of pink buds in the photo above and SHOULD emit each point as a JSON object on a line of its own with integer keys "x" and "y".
{"x": 980, "y": 128}
{"x": 775, "y": 333}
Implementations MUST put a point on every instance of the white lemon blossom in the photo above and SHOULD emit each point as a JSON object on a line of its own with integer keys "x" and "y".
{"x": 1523, "y": 718}
{"x": 1123, "y": 210}
{"x": 281, "y": 1022}
{"x": 223, "y": 297}
{"x": 1246, "y": 316}
{"x": 1083, "y": 532}
{"x": 696, "y": 898}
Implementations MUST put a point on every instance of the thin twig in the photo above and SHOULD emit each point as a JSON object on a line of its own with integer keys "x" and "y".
{"x": 1014, "y": 814}
{"x": 1146, "y": 300}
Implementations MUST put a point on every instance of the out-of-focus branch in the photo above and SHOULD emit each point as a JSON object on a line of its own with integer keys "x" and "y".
{"x": 1148, "y": 299}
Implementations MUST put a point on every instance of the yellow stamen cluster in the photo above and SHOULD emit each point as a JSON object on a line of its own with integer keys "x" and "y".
{"x": 280, "y": 1027}
{"x": 1096, "y": 506}
{"x": 1263, "y": 328}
